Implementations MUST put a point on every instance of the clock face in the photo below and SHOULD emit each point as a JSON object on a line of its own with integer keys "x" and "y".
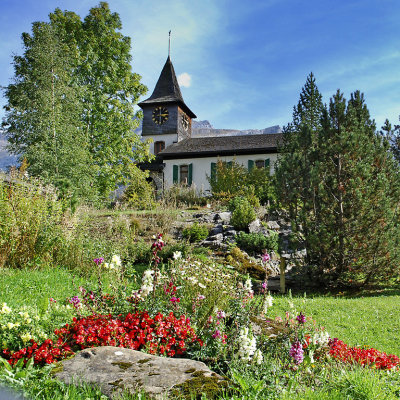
{"x": 185, "y": 122}
{"x": 160, "y": 115}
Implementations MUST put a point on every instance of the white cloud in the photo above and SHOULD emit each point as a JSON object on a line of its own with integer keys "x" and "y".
{"x": 184, "y": 79}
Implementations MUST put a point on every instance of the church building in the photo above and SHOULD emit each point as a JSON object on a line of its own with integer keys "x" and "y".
{"x": 186, "y": 160}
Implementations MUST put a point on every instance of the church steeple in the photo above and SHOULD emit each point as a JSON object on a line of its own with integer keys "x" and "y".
{"x": 167, "y": 90}
{"x": 167, "y": 87}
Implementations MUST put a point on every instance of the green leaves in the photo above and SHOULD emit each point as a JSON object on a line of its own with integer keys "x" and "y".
{"x": 71, "y": 106}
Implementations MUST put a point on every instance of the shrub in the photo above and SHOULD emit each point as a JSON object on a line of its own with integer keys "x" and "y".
{"x": 139, "y": 194}
{"x": 195, "y": 233}
{"x": 169, "y": 249}
{"x": 233, "y": 179}
{"x": 257, "y": 242}
{"x": 178, "y": 195}
{"x": 30, "y": 221}
{"x": 139, "y": 252}
{"x": 242, "y": 213}
{"x": 229, "y": 179}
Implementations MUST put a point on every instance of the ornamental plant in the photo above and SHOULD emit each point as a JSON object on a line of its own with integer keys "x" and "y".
{"x": 19, "y": 325}
{"x": 195, "y": 232}
{"x": 368, "y": 357}
{"x": 163, "y": 335}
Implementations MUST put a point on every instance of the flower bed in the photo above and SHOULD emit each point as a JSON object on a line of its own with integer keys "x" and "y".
{"x": 163, "y": 335}
{"x": 364, "y": 356}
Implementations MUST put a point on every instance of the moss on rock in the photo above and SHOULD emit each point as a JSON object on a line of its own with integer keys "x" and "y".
{"x": 194, "y": 388}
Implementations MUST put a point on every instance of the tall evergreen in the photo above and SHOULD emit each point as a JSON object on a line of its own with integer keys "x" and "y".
{"x": 295, "y": 170}
{"x": 349, "y": 202}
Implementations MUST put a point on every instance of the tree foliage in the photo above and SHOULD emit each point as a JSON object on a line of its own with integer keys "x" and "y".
{"x": 232, "y": 179}
{"x": 98, "y": 91}
{"x": 345, "y": 190}
{"x": 43, "y": 119}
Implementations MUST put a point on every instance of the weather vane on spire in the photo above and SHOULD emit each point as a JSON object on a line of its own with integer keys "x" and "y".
{"x": 169, "y": 43}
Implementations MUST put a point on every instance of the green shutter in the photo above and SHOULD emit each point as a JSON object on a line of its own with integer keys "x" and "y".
{"x": 175, "y": 174}
{"x": 250, "y": 164}
{"x": 190, "y": 174}
{"x": 267, "y": 163}
{"x": 213, "y": 171}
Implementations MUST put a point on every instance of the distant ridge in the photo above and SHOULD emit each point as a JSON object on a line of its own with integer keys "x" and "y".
{"x": 205, "y": 129}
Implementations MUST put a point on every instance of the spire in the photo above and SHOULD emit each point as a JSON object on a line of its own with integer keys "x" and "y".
{"x": 167, "y": 87}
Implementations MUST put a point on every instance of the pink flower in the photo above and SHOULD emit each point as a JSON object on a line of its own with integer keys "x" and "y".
{"x": 266, "y": 257}
{"x": 175, "y": 300}
{"x": 98, "y": 261}
{"x": 216, "y": 334}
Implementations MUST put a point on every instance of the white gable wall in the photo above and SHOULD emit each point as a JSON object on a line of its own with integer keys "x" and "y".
{"x": 167, "y": 138}
{"x": 202, "y": 167}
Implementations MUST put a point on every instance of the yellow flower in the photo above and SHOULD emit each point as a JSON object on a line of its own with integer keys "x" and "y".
{"x": 10, "y": 325}
{"x": 5, "y": 309}
{"x": 26, "y": 337}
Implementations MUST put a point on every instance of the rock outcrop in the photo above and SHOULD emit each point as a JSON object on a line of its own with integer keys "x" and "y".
{"x": 116, "y": 370}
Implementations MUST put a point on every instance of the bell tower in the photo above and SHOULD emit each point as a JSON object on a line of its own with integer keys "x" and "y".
{"x": 166, "y": 117}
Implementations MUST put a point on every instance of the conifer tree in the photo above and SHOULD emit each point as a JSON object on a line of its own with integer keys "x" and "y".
{"x": 295, "y": 171}
{"x": 350, "y": 207}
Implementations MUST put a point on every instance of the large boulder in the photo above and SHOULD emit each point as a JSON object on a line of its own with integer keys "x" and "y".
{"x": 116, "y": 370}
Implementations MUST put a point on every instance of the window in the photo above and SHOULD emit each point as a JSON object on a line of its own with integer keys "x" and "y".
{"x": 183, "y": 174}
{"x": 158, "y": 147}
{"x": 260, "y": 164}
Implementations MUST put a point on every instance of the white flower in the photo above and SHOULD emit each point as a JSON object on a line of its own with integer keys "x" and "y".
{"x": 10, "y": 325}
{"x": 177, "y": 255}
{"x": 258, "y": 357}
{"x": 268, "y": 300}
{"x": 202, "y": 286}
{"x": 247, "y": 344}
{"x": 116, "y": 260}
{"x": 147, "y": 282}
{"x": 321, "y": 338}
{"x": 248, "y": 285}
{"x": 5, "y": 309}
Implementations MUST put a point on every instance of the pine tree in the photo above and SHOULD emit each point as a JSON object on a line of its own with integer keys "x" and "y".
{"x": 295, "y": 171}
{"x": 359, "y": 195}
{"x": 348, "y": 200}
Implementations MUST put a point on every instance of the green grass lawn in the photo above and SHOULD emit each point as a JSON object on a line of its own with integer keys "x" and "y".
{"x": 372, "y": 320}
{"x": 35, "y": 287}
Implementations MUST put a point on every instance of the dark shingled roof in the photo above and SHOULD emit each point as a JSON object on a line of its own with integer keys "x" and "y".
{"x": 167, "y": 90}
{"x": 223, "y": 145}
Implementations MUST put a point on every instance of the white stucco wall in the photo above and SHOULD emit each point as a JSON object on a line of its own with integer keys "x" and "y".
{"x": 202, "y": 167}
{"x": 168, "y": 139}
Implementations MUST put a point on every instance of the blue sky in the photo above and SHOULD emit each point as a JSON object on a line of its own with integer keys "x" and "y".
{"x": 244, "y": 63}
